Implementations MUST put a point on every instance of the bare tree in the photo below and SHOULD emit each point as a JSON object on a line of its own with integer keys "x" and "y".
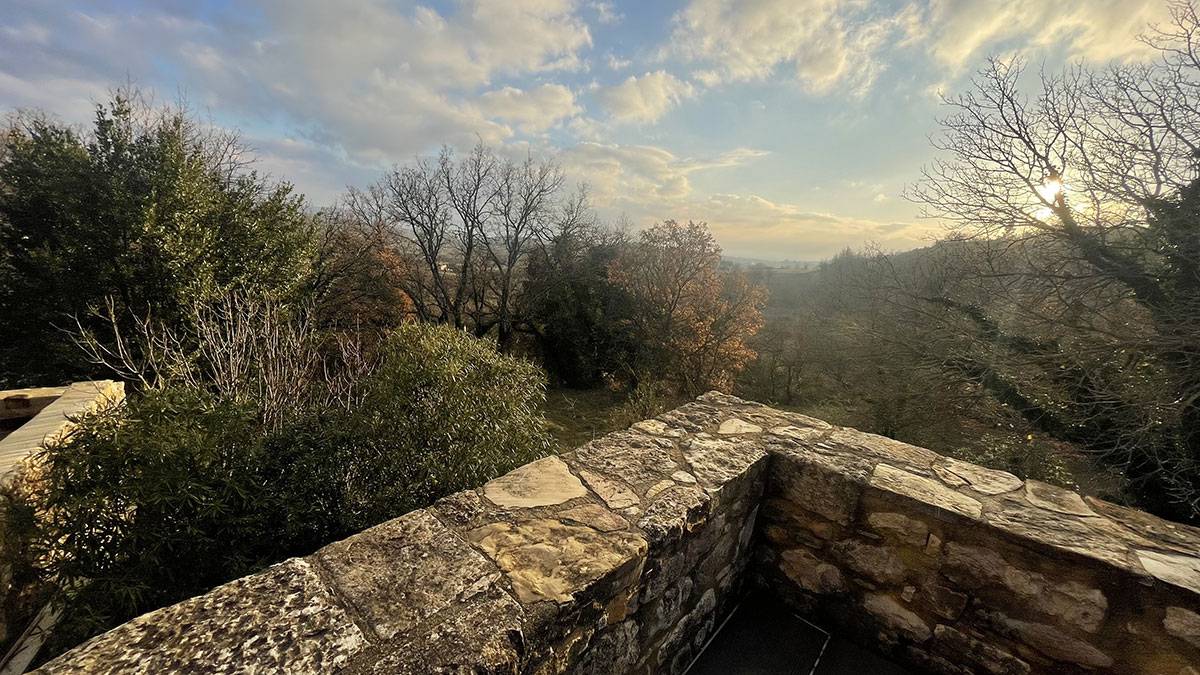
{"x": 469, "y": 226}
{"x": 1076, "y": 273}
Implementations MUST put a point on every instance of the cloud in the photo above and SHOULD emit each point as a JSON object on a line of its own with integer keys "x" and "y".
{"x": 631, "y": 177}
{"x": 958, "y": 32}
{"x": 533, "y": 110}
{"x": 842, "y": 46}
{"x": 617, "y": 63}
{"x": 375, "y": 81}
{"x": 823, "y": 44}
{"x": 606, "y": 12}
{"x": 646, "y": 98}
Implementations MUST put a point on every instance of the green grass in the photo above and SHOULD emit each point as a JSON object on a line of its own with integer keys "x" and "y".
{"x": 576, "y": 416}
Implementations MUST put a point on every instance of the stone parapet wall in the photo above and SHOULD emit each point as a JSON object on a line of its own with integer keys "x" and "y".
{"x": 618, "y": 557}
{"x": 955, "y": 569}
{"x": 623, "y": 556}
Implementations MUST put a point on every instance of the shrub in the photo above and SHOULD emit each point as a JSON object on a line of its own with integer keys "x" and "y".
{"x": 181, "y": 489}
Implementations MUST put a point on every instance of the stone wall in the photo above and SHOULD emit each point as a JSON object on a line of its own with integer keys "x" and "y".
{"x": 617, "y": 557}
{"x": 954, "y": 568}
{"x": 623, "y": 555}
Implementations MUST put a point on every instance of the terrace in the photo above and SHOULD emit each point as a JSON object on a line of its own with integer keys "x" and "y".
{"x": 628, "y": 554}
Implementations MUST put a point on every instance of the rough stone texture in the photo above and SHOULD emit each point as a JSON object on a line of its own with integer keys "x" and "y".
{"x": 397, "y": 574}
{"x": 551, "y": 560}
{"x": 958, "y": 569}
{"x": 964, "y": 474}
{"x": 283, "y": 619}
{"x": 900, "y": 528}
{"x": 1179, "y": 570}
{"x": 542, "y": 483}
{"x": 1183, "y": 624}
{"x": 896, "y": 616}
{"x": 924, "y": 490}
{"x": 624, "y": 555}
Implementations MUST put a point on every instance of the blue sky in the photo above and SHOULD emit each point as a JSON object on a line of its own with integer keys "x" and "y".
{"x": 791, "y": 126}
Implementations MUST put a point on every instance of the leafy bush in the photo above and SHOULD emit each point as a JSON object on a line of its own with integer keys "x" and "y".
{"x": 181, "y": 489}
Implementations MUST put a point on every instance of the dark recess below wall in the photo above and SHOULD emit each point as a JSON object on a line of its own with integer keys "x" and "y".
{"x": 763, "y": 637}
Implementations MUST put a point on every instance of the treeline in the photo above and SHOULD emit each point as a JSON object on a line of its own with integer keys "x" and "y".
{"x": 151, "y": 215}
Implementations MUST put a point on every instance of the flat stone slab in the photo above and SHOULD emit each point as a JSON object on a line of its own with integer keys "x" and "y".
{"x": 545, "y": 482}
{"x": 1172, "y": 568}
{"x": 927, "y": 490}
{"x": 637, "y": 459}
{"x": 283, "y": 619}
{"x": 482, "y": 634}
{"x": 734, "y": 426}
{"x": 615, "y": 494}
{"x": 548, "y": 559}
{"x": 957, "y": 473}
{"x": 1054, "y": 498}
{"x": 716, "y": 462}
{"x": 403, "y": 571}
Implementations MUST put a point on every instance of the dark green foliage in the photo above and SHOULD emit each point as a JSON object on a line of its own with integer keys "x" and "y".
{"x": 178, "y": 490}
{"x": 149, "y": 209}
{"x": 581, "y": 320}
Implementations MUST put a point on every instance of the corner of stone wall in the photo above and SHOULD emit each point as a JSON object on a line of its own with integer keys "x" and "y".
{"x": 623, "y": 555}
{"x": 954, "y": 568}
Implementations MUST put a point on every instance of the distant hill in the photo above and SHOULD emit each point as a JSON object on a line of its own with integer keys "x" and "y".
{"x": 738, "y": 261}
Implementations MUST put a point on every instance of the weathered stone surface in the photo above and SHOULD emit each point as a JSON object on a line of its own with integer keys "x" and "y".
{"x": 669, "y": 607}
{"x": 545, "y": 482}
{"x": 957, "y": 473}
{"x": 718, "y": 462}
{"x": 640, "y": 460}
{"x": 694, "y": 417}
{"x": 896, "y": 617}
{"x": 925, "y": 490}
{"x": 1090, "y": 537}
{"x": 811, "y": 573}
{"x": 1147, "y": 530}
{"x": 595, "y": 516}
{"x": 683, "y": 477}
{"x": 1072, "y": 602}
{"x": 482, "y": 634}
{"x": 1172, "y": 568}
{"x": 1183, "y": 624}
{"x": 676, "y": 510}
{"x": 878, "y": 449}
{"x": 401, "y": 572}
{"x": 734, "y": 425}
{"x": 877, "y": 563}
{"x": 823, "y": 485}
{"x": 1053, "y": 642}
{"x": 945, "y": 602}
{"x": 658, "y": 428}
{"x": 964, "y": 649}
{"x": 1054, "y": 498}
{"x": 899, "y": 528}
{"x": 687, "y": 637}
{"x": 614, "y": 652}
{"x": 546, "y": 559}
{"x": 614, "y": 493}
{"x": 283, "y": 619}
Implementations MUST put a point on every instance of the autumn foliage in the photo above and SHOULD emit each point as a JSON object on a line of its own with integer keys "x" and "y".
{"x": 692, "y": 318}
